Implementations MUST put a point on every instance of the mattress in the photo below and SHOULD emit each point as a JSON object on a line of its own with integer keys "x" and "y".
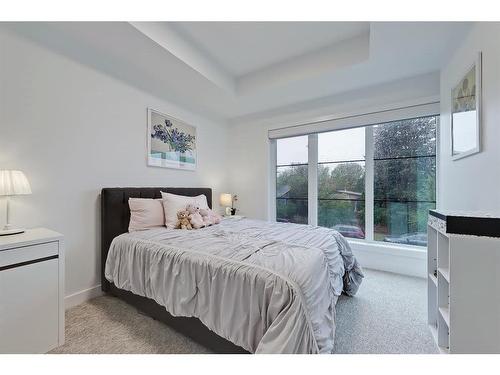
{"x": 267, "y": 287}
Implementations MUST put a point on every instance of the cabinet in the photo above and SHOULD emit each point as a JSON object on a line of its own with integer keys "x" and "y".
{"x": 31, "y": 292}
{"x": 463, "y": 258}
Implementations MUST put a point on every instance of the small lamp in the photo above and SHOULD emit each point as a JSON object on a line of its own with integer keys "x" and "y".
{"x": 226, "y": 200}
{"x": 12, "y": 183}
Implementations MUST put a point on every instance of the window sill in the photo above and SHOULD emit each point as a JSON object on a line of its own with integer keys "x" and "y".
{"x": 411, "y": 251}
{"x": 403, "y": 259}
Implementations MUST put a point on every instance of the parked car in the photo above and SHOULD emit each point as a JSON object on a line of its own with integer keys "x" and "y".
{"x": 350, "y": 231}
{"x": 418, "y": 239}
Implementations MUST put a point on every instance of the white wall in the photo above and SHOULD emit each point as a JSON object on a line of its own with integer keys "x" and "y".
{"x": 73, "y": 131}
{"x": 249, "y": 144}
{"x": 472, "y": 183}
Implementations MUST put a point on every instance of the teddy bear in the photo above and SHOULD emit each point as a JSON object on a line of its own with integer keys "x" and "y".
{"x": 216, "y": 218}
{"x": 194, "y": 216}
{"x": 204, "y": 212}
{"x": 209, "y": 217}
{"x": 183, "y": 221}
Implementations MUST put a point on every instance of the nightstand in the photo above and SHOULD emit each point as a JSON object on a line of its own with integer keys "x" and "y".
{"x": 31, "y": 291}
{"x": 233, "y": 217}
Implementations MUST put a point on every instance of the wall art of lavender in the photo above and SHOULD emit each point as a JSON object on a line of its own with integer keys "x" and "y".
{"x": 176, "y": 139}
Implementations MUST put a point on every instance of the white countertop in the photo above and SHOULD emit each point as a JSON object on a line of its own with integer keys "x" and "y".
{"x": 30, "y": 237}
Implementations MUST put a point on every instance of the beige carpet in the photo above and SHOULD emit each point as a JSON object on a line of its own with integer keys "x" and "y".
{"x": 386, "y": 316}
{"x": 107, "y": 325}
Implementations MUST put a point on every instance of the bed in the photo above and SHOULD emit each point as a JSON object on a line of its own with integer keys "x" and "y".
{"x": 240, "y": 286}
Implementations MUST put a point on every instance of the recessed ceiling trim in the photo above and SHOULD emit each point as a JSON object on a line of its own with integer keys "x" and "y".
{"x": 327, "y": 59}
{"x": 165, "y": 36}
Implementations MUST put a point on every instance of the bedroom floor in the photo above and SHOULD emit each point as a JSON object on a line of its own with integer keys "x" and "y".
{"x": 388, "y": 315}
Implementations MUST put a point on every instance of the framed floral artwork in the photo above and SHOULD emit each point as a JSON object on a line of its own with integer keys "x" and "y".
{"x": 171, "y": 142}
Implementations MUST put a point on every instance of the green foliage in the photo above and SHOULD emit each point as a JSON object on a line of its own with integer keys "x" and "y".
{"x": 292, "y": 210}
{"x": 294, "y": 180}
{"x": 399, "y": 184}
{"x": 292, "y": 183}
{"x": 412, "y": 137}
{"x": 348, "y": 208}
{"x": 338, "y": 177}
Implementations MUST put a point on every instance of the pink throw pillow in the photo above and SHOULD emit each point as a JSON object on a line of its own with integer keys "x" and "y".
{"x": 145, "y": 213}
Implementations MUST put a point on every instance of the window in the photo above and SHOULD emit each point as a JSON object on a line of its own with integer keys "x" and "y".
{"x": 292, "y": 180}
{"x": 375, "y": 182}
{"x": 404, "y": 179}
{"x": 341, "y": 181}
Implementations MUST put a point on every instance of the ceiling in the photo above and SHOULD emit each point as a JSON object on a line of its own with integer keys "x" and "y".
{"x": 245, "y": 47}
{"x": 230, "y": 70}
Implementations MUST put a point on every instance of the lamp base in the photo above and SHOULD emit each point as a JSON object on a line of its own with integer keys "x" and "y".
{"x": 8, "y": 232}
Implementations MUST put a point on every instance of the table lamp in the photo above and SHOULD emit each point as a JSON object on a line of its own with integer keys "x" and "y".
{"x": 12, "y": 183}
{"x": 226, "y": 200}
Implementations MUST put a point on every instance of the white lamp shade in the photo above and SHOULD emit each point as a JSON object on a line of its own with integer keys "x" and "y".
{"x": 13, "y": 183}
{"x": 226, "y": 200}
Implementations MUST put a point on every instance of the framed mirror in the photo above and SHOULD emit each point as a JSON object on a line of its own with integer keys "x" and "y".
{"x": 466, "y": 113}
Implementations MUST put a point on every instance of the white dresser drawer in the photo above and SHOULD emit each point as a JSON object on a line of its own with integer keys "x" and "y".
{"x": 28, "y": 253}
{"x": 31, "y": 291}
{"x": 29, "y": 311}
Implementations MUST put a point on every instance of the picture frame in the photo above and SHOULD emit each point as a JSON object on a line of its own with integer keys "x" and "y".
{"x": 465, "y": 112}
{"x": 171, "y": 143}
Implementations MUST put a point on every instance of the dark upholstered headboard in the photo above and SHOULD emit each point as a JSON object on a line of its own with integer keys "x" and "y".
{"x": 115, "y": 213}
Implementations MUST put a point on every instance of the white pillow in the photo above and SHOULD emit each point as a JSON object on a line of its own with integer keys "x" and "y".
{"x": 173, "y": 203}
{"x": 145, "y": 213}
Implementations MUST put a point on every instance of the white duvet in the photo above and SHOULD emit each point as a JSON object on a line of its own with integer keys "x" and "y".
{"x": 267, "y": 287}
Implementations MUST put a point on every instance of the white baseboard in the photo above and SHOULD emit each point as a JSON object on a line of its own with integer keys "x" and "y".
{"x": 405, "y": 260}
{"x": 82, "y": 296}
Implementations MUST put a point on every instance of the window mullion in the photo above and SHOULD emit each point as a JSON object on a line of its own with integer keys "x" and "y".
{"x": 271, "y": 213}
{"x": 312, "y": 178}
{"x": 369, "y": 185}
